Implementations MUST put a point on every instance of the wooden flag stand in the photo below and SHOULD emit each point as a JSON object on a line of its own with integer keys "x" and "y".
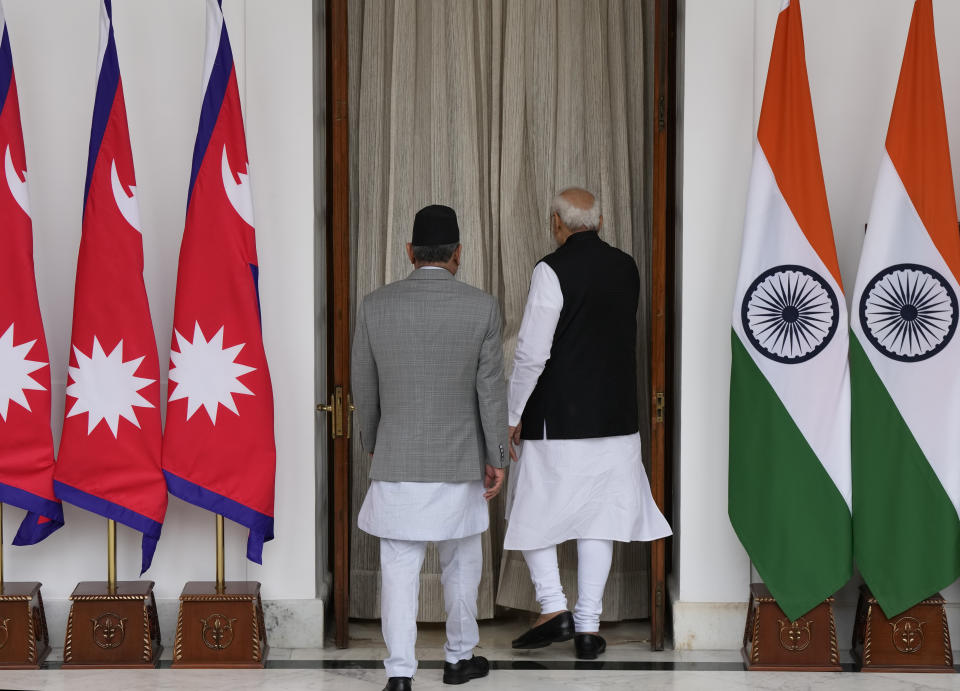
{"x": 773, "y": 643}
{"x": 112, "y": 624}
{"x": 917, "y": 640}
{"x": 24, "y": 641}
{"x": 220, "y": 624}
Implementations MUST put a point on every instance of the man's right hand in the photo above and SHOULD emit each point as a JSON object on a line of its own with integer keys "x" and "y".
{"x": 493, "y": 481}
{"x": 514, "y": 437}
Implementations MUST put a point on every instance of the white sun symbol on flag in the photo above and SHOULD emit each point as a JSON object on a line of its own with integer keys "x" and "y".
{"x": 15, "y": 370}
{"x": 106, "y": 387}
{"x": 206, "y": 374}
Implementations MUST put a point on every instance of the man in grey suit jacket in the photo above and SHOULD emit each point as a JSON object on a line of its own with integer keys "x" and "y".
{"x": 431, "y": 401}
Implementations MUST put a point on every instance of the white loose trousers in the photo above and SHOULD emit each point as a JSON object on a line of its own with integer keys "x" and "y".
{"x": 406, "y": 516}
{"x": 400, "y": 563}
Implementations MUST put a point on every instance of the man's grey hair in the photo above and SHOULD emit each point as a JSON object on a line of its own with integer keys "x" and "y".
{"x": 434, "y": 254}
{"x": 574, "y": 217}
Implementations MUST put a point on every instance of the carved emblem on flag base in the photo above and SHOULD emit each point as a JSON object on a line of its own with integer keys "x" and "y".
{"x": 117, "y": 629}
{"x": 24, "y": 640}
{"x": 773, "y": 643}
{"x": 220, "y": 628}
{"x": 917, "y": 640}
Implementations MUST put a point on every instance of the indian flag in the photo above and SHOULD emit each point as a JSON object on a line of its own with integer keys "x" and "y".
{"x": 789, "y": 478}
{"x": 904, "y": 355}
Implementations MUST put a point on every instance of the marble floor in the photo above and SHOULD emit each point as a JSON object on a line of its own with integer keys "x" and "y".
{"x": 628, "y": 664}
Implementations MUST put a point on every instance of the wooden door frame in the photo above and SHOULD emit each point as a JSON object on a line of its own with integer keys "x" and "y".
{"x": 338, "y": 306}
{"x": 662, "y": 299}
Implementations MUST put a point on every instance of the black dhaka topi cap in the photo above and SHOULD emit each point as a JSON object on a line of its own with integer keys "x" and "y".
{"x": 435, "y": 225}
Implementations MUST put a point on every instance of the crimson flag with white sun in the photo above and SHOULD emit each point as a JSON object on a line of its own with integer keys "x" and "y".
{"x": 26, "y": 442}
{"x": 109, "y": 458}
{"x": 218, "y": 444}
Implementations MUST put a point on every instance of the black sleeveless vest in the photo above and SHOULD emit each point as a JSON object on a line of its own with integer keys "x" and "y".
{"x": 589, "y": 386}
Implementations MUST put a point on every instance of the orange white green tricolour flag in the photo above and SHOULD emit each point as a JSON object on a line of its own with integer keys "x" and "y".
{"x": 904, "y": 356}
{"x": 789, "y": 475}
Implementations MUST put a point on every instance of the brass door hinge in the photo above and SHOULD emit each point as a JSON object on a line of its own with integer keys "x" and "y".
{"x": 337, "y": 409}
{"x": 659, "y": 399}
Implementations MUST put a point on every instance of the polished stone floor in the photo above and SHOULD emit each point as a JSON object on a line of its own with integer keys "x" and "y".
{"x": 370, "y": 680}
{"x": 628, "y": 664}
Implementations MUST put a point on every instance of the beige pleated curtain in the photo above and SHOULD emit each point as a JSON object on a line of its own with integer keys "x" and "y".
{"x": 491, "y": 107}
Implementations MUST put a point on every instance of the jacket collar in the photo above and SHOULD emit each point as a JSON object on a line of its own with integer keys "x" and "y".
{"x": 424, "y": 273}
{"x": 583, "y": 237}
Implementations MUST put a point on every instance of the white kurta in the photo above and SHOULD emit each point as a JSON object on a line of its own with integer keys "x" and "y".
{"x": 424, "y": 511}
{"x": 563, "y": 489}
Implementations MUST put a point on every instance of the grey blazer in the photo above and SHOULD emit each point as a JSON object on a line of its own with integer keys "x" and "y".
{"x": 427, "y": 372}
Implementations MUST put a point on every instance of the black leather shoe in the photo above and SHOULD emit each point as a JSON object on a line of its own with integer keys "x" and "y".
{"x": 398, "y": 684}
{"x": 560, "y": 628}
{"x": 589, "y": 645}
{"x": 465, "y": 670}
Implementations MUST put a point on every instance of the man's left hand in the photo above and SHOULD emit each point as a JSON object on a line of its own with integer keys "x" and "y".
{"x": 513, "y": 437}
{"x": 493, "y": 481}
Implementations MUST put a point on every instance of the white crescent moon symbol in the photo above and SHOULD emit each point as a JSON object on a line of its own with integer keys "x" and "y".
{"x": 238, "y": 193}
{"x": 18, "y": 187}
{"x": 128, "y": 205}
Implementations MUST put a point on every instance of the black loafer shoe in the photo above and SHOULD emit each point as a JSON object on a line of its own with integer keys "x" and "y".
{"x": 465, "y": 670}
{"x": 560, "y": 628}
{"x": 589, "y": 645}
{"x": 398, "y": 684}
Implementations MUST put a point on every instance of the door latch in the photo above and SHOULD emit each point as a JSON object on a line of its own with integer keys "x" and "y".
{"x": 336, "y": 408}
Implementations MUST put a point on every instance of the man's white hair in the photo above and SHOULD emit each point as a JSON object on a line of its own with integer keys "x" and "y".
{"x": 574, "y": 217}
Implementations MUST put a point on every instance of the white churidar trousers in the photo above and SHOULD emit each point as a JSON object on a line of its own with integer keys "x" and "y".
{"x": 593, "y": 566}
{"x": 400, "y": 563}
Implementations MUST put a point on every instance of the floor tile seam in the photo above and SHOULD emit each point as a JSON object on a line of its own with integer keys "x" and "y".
{"x": 505, "y": 665}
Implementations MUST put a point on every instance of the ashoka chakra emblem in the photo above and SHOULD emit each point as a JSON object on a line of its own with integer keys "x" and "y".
{"x": 908, "y": 312}
{"x": 789, "y": 313}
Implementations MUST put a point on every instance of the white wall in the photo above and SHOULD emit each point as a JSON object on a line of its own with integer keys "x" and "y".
{"x": 854, "y": 49}
{"x": 160, "y": 46}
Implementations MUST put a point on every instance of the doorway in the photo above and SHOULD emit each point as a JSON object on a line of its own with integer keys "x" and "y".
{"x": 466, "y": 163}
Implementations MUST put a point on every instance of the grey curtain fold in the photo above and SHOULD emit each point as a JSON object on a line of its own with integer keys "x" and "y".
{"x": 491, "y": 107}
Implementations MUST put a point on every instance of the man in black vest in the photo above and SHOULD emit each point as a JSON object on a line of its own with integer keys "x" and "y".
{"x": 574, "y": 427}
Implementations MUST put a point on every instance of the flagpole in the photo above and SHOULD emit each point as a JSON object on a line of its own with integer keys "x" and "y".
{"x": 111, "y": 556}
{"x": 220, "y": 559}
